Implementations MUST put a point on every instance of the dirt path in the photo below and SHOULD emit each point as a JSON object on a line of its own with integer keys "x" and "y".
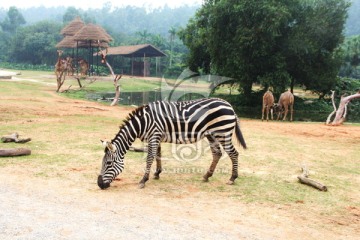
{"x": 37, "y": 209}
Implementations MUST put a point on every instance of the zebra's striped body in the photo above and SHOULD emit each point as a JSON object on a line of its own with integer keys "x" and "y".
{"x": 174, "y": 122}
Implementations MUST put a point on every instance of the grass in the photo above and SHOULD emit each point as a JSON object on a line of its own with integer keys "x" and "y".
{"x": 66, "y": 145}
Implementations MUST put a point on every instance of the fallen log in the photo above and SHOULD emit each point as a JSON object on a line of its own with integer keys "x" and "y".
{"x": 312, "y": 183}
{"x": 304, "y": 178}
{"x": 14, "y": 138}
{"x": 14, "y": 152}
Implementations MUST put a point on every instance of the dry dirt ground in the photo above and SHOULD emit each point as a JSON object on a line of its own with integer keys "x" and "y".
{"x": 72, "y": 207}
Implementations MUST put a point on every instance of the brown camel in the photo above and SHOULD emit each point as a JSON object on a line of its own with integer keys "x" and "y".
{"x": 268, "y": 102}
{"x": 286, "y": 100}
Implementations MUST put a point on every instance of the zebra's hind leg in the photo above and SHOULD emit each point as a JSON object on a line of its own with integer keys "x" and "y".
{"x": 216, "y": 152}
{"x": 233, "y": 154}
{"x": 158, "y": 164}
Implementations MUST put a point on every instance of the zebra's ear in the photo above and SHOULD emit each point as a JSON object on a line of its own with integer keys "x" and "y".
{"x": 109, "y": 145}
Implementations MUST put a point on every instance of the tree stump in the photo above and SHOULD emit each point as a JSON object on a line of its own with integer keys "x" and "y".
{"x": 14, "y": 152}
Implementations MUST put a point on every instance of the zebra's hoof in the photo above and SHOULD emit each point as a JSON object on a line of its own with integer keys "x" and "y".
{"x": 156, "y": 177}
{"x": 230, "y": 182}
{"x": 141, "y": 185}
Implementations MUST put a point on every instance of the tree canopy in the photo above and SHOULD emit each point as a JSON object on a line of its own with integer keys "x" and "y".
{"x": 275, "y": 43}
{"x": 13, "y": 20}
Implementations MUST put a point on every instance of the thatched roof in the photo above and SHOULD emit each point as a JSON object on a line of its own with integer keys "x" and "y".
{"x": 73, "y": 27}
{"x": 70, "y": 42}
{"x": 142, "y": 50}
{"x": 67, "y": 42}
{"x": 92, "y": 32}
{"x": 77, "y": 34}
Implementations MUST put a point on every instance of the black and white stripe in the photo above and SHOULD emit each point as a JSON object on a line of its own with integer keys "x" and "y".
{"x": 174, "y": 122}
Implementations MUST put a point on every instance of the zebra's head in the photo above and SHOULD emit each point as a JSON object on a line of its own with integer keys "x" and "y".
{"x": 112, "y": 165}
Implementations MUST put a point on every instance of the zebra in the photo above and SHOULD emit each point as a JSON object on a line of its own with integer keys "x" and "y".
{"x": 174, "y": 122}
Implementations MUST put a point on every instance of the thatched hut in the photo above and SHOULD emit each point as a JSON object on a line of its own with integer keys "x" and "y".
{"x": 77, "y": 35}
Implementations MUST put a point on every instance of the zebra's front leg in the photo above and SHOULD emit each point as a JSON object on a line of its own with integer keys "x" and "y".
{"x": 152, "y": 150}
{"x": 216, "y": 152}
{"x": 158, "y": 164}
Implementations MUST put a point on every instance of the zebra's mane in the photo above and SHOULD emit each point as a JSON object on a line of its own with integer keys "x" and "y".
{"x": 132, "y": 114}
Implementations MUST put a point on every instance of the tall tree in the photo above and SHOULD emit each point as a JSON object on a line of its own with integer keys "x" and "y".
{"x": 13, "y": 20}
{"x": 144, "y": 36}
{"x": 36, "y": 43}
{"x": 277, "y": 43}
{"x": 70, "y": 14}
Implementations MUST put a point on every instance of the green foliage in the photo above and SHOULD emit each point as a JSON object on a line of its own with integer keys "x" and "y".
{"x": 347, "y": 86}
{"x": 35, "y": 43}
{"x": 350, "y": 50}
{"x": 271, "y": 42}
{"x": 70, "y": 14}
{"x": 13, "y": 20}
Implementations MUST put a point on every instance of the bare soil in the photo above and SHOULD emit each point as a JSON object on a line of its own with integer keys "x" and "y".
{"x": 63, "y": 204}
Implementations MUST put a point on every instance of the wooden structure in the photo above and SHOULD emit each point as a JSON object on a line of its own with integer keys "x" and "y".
{"x": 142, "y": 52}
{"x": 79, "y": 35}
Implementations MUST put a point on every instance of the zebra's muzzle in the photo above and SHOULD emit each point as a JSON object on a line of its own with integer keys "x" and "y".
{"x": 101, "y": 183}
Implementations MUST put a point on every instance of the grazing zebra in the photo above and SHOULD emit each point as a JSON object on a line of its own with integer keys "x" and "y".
{"x": 174, "y": 122}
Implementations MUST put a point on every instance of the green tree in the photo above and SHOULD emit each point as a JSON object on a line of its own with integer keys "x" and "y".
{"x": 144, "y": 36}
{"x": 13, "y": 20}
{"x": 36, "y": 43}
{"x": 277, "y": 43}
{"x": 70, "y": 14}
{"x": 351, "y": 55}
{"x": 314, "y": 42}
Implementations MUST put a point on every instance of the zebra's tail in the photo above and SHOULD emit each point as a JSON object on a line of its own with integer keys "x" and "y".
{"x": 239, "y": 135}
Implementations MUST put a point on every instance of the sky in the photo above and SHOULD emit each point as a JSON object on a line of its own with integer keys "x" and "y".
{"x": 86, "y": 4}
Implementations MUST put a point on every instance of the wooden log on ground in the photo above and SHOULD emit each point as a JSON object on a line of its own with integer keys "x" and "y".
{"x": 304, "y": 178}
{"x": 312, "y": 183}
{"x": 14, "y": 152}
{"x": 14, "y": 138}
